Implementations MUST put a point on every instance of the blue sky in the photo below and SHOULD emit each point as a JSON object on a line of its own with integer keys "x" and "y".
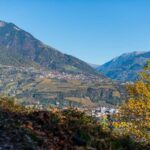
{"x": 92, "y": 30}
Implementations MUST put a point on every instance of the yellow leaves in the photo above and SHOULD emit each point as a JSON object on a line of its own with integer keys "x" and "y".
{"x": 134, "y": 115}
{"x": 147, "y": 66}
{"x": 123, "y": 124}
{"x": 138, "y": 89}
{"x": 115, "y": 124}
{"x": 10, "y": 104}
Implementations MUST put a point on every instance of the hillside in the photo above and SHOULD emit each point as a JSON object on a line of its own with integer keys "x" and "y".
{"x": 125, "y": 67}
{"x": 49, "y": 87}
{"x": 20, "y": 48}
{"x": 35, "y": 72}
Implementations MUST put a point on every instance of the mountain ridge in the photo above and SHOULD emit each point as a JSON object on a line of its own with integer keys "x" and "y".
{"x": 15, "y": 41}
{"x": 126, "y": 66}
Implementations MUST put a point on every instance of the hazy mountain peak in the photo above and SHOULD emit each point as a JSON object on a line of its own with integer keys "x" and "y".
{"x": 93, "y": 65}
{"x": 129, "y": 54}
{"x": 139, "y": 52}
{"x": 133, "y": 53}
{"x": 2, "y": 24}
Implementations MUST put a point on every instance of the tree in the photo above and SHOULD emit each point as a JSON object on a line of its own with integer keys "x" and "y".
{"x": 134, "y": 114}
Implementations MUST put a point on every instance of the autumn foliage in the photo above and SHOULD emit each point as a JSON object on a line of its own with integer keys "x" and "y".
{"x": 24, "y": 129}
{"x": 134, "y": 115}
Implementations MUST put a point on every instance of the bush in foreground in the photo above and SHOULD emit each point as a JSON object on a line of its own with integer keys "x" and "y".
{"x": 23, "y": 129}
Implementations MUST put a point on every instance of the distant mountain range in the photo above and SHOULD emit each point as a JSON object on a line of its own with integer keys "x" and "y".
{"x": 20, "y": 48}
{"x": 94, "y": 65}
{"x": 125, "y": 67}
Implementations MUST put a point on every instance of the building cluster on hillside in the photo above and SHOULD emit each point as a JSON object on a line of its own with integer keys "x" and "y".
{"x": 99, "y": 112}
{"x": 16, "y": 72}
{"x": 67, "y": 76}
{"x": 61, "y": 75}
{"x": 35, "y": 105}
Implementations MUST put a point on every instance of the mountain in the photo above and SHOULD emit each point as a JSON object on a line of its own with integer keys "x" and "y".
{"x": 36, "y": 73}
{"x": 20, "y": 48}
{"x": 125, "y": 67}
{"x": 94, "y": 65}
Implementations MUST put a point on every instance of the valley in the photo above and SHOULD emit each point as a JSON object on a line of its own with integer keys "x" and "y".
{"x": 38, "y": 74}
{"x": 74, "y": 75}
{"x": 32, "y": 86}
